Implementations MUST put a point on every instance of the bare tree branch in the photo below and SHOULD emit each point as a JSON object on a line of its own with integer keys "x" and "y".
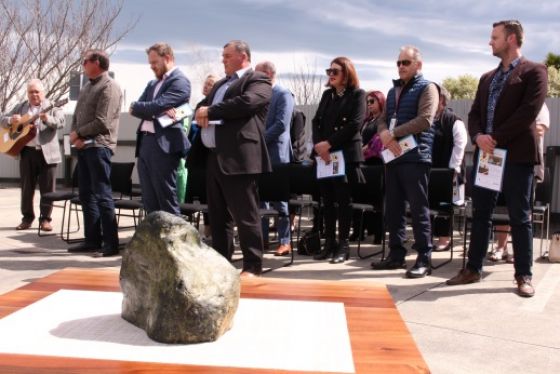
{"x": 306, "y": 83}
{"x": 45, "y": 39}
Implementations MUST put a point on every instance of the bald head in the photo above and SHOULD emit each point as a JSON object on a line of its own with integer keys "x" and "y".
{"x": 268, "y": 68}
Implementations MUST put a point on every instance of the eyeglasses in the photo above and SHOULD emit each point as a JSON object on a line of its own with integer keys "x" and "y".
{"x": 370, "y": 101}
{"x": 332, "y": 71}
{"x": 403, "y": 63}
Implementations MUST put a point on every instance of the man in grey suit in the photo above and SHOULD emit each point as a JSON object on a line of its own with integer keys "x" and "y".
{"x": 40, "y": 156}
{"x": 159, "y": 149}
{"x": 234, "y": 151}
{"x": 277, "y": 136}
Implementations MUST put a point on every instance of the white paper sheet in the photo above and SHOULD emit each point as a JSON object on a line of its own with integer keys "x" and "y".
{"x": 407, "y": 144}
{"x": 335, "y": 168}
{"x": 490, "y": 169}
{"x": 267, "y": 334}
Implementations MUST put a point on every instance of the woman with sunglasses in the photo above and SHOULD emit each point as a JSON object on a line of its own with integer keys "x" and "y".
{"x": 336, "y": 127}
{"x": 371, "y": 148}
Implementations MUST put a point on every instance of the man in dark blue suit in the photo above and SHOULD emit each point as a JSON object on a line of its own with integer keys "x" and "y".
{"x": 277, "y": 137}
{"x": 159, "y": 149}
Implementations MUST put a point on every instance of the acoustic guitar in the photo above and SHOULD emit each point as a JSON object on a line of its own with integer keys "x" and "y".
{"x": 14, "y": 137}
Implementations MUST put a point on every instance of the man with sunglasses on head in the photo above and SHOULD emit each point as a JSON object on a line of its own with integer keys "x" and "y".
{"x": 94, "y": 134}
{"x": 503, "y": 115}
{"x": 409, "y": 110}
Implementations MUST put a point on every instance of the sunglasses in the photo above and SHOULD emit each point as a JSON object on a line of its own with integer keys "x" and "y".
{"x": 332, "y": 71}
{"x": 403, "y": 63}
{"x": 370, "y": 101}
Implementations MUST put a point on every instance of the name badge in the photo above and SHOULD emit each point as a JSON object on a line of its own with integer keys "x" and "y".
{"x": 392, "y": 123}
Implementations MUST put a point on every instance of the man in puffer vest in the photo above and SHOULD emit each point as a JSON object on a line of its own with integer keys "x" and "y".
{"x": 410, "y": 109}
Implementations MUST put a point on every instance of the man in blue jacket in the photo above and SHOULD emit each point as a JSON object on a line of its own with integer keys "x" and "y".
{"x": 277, "y": 137}
{"x": 159, "y": 149}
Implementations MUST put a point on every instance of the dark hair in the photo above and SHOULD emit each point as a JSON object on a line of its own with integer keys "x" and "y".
{"x": 98, "y": 55}
{"x": 241, "y": 47}
{"x": 348, "y": 71}
{"x": 161, "y": 49}
{"x": 512, "y": 26}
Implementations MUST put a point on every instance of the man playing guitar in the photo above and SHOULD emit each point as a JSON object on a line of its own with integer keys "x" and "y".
{"x": 40, "y": 156}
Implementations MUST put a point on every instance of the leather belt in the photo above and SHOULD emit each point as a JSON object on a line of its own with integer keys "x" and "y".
{"x": 146, "y": 133}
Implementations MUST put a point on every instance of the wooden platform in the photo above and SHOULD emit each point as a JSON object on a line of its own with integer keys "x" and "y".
{"x": 380, "y": 341}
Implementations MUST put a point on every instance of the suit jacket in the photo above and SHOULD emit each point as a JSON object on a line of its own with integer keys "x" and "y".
{"x": 174, "y": 91}
{"x": 47, "y": 131}
{"x": 240, "y": 143}
{"x": 341, "y": 128}
{"x": 278, "y": 120}
{"x": 516, "y": 109}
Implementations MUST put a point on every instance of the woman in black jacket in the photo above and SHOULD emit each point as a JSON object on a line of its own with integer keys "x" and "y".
{"x": 336, "y": 127}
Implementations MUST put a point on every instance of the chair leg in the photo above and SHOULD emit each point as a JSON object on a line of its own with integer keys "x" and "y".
{"x": 450, "y": 247}
{"x": 382, "y": 251}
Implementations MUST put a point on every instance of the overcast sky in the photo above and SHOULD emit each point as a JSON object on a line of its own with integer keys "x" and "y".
{"x": 452, "y": 35}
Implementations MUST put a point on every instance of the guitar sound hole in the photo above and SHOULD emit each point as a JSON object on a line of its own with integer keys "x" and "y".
{"x": 19, "y": 128}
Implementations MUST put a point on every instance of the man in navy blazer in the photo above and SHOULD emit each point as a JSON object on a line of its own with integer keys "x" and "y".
{"x": 277, "y": 137}
{"x": 159, "y": 149}
{"x": 503, "y": 116}
{"x": 233, "y": 152}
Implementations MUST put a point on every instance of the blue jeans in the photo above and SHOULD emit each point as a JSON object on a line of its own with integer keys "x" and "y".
{"x": 157, "y": 172}
{"x": 283, "y": 221}
{"x": 96, "y": 196}
{"x": 408, "y": 182}
{"x": 516, "y": 188}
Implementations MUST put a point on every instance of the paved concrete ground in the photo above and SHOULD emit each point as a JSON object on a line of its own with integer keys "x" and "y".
{"x": 479, "y": 328}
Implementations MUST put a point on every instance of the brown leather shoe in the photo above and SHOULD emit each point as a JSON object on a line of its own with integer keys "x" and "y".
{"x": 23, "y": 226}
{"x": 46, "y": 226}
{"x": 283, "y": 250}
{"x": 465, "y": 276}
{"x": 524, "y": 286}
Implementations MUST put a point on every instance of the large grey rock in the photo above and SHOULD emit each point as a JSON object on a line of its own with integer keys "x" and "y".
{"x": 175, "y": 287}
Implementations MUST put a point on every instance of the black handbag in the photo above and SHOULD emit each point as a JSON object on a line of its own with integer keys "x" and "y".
{"x": 309, "y": 244}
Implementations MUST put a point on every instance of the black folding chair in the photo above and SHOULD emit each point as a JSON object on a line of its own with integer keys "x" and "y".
{"x": 195, "y": 196}
{"x": 64, "y": 197}
{"x": 302, "y": 182}
{"x": 440, "y": 198}
{"x": 275, "y": 186}
{"x": 121, "y": 184}
{"x": 369, "y": 197}
{"x": 541, "y": 208}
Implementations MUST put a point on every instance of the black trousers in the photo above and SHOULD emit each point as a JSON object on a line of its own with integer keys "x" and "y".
{"x": 234, "y": 198}
{"x": 32, "y": 169}
{"x": 408, "y": 182}
{"x": 336, "y": 194}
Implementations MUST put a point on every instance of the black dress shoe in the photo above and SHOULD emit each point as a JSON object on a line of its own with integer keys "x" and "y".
{"x": 107, "y": 253}
{"x": 342, "y": 253}
{"x": 84, "y": 247}
{"x": 389, "y": 264}
{"x": 419, "y": 270}
{"x": 327, "y": 250}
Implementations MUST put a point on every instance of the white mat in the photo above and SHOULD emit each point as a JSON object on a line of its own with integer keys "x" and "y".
{"x": 267, "y": 334}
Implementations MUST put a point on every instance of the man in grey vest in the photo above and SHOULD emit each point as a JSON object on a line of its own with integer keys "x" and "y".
{"x": 40, "y": 156}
